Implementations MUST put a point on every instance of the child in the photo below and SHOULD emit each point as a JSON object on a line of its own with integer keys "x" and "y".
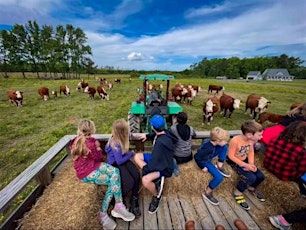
{"x": 159, "y": 164}
{"x": 215, "y": 146}
{"x": 118, "y": 155}
{"x": 184, "y": 133}
{"x": 286, "y": 220}
{"x": 285, "y": 155}
{"x": 87, "y": 158}
{"x": 241, "y": 158}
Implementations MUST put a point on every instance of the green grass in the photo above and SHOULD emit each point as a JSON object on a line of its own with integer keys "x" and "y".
{"x": 28, "y": 132}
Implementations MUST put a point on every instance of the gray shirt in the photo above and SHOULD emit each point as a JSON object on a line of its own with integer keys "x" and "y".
{"x": 182, "y": 148}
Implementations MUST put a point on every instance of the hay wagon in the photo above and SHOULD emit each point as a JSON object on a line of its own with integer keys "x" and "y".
{"x": 59, "y": 201}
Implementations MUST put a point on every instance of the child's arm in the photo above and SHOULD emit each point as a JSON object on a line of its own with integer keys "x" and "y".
{"x": 232, "y": 148}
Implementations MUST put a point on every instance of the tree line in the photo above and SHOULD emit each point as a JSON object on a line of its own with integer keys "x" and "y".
{"x": 236, "y": 68}
{"x": 31, "y": 48}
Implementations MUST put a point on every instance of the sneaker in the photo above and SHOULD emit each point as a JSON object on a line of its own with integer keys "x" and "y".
{"x": 258, "y": 195}
{"x": 279, "y": 222}
{"x": 159, "y": 185}
{"x": 153, "y": 207}
{"x": 210, "y": 198}
{"x": 107, "y": 222}
{"x": 242, "y": 202}
{"x": 222, "y": 171}
{"x": 123, "y": 214}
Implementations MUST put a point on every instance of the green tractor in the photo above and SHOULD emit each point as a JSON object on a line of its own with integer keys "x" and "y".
{"x": 153, "y": 103}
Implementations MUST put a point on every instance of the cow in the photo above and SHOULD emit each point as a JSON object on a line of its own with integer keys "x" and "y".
{"x": 178, "y": 93}
{"x": 118, "y": 80}
{"x": 65, "y": 90}
{"x": 102, "y": 93}
{"x": 257, "y": 104}
{"x": 210, "y": 107}
{"x": 110, "y": 86}
{"x": 82, "y": 85}
{"x": 216, "y": 88}
{"x": 227, "y": 102}
{"x": 294, "y": 105}
{"x": 91, "y": 91}
{"x": 15, "y": 96}
{"x": 44, "y": 93}
{"x": 274, "y": 118}
{"x": 196, "y": 88}
{"x": 54, "y": 93}
{"x": 190, "y": 95}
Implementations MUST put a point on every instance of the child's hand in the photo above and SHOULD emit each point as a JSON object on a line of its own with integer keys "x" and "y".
{"x": 249, "y": 167}
{"x": 97, "y": 143}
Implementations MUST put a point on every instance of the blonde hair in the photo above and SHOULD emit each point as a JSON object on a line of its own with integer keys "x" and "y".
{"x": 219, "y": 134}
{"x": 85, "y": 129}
{"x": 121, "y": 135}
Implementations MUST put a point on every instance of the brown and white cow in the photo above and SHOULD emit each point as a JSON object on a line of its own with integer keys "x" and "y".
{"x": 257, "y": 104}
{"x": 102, "y": 92}
{"x": 54, "y": 93}
{"x": 15, "y": 96}
{"x": 271, "y": 117}
{"x": 227, "y": 102}
{"x": 216, "y": 88}
{"x": 91, "y": 91}
{"x": 210, "y": 107}
{"x": 82, "y": 85}
{"x": 65, "y": 90}
{"x": 190, "y": 95}
{"x": 118, "y": 80}
{"x": 44, "y": 93}
{"x": 178, "y": 93}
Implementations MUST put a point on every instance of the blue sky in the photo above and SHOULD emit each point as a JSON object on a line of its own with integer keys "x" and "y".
{"x": 171, "y": 34}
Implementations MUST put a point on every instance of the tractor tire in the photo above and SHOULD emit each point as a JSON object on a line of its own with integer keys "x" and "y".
{"x": 134, "y": 123}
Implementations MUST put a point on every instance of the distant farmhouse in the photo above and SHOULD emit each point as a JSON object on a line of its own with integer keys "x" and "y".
{"x": 270, "y": 75}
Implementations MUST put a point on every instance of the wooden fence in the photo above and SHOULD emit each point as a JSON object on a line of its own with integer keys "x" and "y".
{"x": 41, "y": 172}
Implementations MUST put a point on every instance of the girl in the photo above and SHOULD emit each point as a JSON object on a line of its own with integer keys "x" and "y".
{"x": 87, "y": 158}
{"x": 118, "y": 155}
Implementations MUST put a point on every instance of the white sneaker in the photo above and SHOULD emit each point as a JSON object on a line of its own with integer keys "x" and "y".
{"x": 279, "y": 222}
{"x": 107, "y": 222}
{"x": 123, "y": 214}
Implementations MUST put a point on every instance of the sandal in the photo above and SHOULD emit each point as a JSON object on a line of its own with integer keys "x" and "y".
{"x": 242, "y": 202}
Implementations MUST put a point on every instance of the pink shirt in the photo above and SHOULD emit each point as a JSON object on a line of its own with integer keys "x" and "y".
{"x": 85, "y": 165}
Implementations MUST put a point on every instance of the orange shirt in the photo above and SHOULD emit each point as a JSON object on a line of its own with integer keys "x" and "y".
{"x": 239, "y": 149}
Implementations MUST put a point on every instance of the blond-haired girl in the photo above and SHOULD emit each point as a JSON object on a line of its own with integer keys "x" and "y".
{"x": 118, "y": 155}
{"x": 87, "y": 158}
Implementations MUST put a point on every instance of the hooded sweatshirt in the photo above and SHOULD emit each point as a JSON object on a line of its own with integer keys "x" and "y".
{"x": 162, "y": 155}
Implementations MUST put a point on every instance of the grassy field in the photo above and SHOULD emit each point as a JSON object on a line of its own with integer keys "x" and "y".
{"x": 28, "y": 132}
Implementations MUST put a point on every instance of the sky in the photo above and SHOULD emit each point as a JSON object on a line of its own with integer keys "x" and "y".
{"x": 171, "y": 34}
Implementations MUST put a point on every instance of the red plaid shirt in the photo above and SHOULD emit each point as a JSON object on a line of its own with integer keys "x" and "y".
{"x": 285, "y": 160}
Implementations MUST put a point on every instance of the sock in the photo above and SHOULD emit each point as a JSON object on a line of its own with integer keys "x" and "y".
{"x": 119, "y": 205}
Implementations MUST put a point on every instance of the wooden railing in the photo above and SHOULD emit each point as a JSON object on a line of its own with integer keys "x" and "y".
{"x": 40, "y": 171}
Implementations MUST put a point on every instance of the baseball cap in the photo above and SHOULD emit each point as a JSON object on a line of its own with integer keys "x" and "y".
{"x": 157, "y": 121}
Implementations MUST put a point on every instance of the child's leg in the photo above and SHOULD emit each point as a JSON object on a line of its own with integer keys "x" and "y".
{"x": 222, "y": 152}
{"x": 139, "y": 160}
{"x": 148, "y": 183}
{"x": 259, "y": 177}
{"x": 110, "y": 176}
{"x": 217, "y": 177}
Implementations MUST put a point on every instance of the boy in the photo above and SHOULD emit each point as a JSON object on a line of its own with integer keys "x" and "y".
{"x": 159, "y": 164}
{"x": 216, "y": 145}
{"x": 241, "y": 158}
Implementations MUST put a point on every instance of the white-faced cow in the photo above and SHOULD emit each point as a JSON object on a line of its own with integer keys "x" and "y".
{"x": 91, "y": 91}
{"x": 82, "y": 85}
{"x": 102, "y": 92}
{"x": 227, "y": 102}
{"x": 210, "y": 107}
{"x": 216, "y": 88}
{"x": 257, "y": 104}
{"x": 54, "y": 93}
{"x": 271, "y": 117}
{"x": 118, "y": 80}
{"x": 44, "y": 93}
{"x": 15, "y": 96}
{"x": 65, "y": 90}
{"x": 178, "y": 93}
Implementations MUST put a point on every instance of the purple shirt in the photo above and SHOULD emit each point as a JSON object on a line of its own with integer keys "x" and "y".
{"x": 116, "y": 155}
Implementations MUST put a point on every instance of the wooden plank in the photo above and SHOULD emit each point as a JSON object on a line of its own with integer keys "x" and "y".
{"x": 163, "y": 215}
{"x": 253, "y": 201}
{"x": 189, "y": 211}
{"x": 177, "y": 216}
{"x": 205, "y": 218}
{"x": 228, "y": 212}
{"x": 138, "y": 222}
{"x": 150, "y": 220}
{"x": 216, "y": 214}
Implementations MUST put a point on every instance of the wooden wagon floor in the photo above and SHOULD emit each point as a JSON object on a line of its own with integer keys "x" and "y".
{"x": 68, "y": 203}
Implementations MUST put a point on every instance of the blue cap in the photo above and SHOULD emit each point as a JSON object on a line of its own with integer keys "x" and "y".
{"x": 157, "y": 121}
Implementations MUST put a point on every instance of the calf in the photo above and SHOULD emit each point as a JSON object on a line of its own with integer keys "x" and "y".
{"x": 257, "y": 104}
{"x": 54, "y": 93}
{"x": 102, "y": 93}
{"x": 227, "y": 102}
{"x": 44, "y": 93}
{"x": 216, "y": 88}
{"x": 82, "y": 85}
{"x": 118, "y": 80}
{"x": 210, "y": 107}
{"x": 190, "y": 95}
{"x": 15, "y": 96}
{"x": 274, "y": 118}
{"x": 91, "y": 91}
{"x": 65, "y": 90}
